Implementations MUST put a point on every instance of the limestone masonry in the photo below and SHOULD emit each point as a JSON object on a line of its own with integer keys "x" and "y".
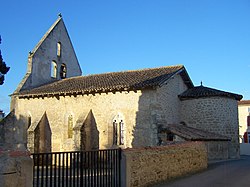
{"x": 56, "y": 109}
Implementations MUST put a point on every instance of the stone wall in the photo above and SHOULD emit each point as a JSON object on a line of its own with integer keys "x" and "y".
{"x": 39, "y": 60}
{"x": 217, "y": 150}
{"x": 104, "y": 108}
{"x": 167, "y": 108}
{"x": 244, "y": 149}
{"x": 16, "y": 168}
{"x": 214, "y": 114}
{"x": 15, "y": 161}
{"x": 148, "y": 166}
{"x": 142, "y": 112}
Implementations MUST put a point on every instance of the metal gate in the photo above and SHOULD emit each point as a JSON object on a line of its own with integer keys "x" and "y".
{"x": 79, "y": 168}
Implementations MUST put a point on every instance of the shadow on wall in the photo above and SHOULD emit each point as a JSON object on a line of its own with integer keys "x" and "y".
{"x": 145, "y": 128}
{"x": 89, "y": 133}
{"x": 13, "y": 135}
{"x": 42, "y": 136}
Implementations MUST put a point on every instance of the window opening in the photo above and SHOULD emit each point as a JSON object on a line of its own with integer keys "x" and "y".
{"x": 63, "y": 71}
{"x": 59, "y": 49}
{"x": 170, "y": 136}
{"x": 118, "y": 132}
{"x": 115, "y": 135}
{"x": 70, "y": 126}
{"x": 121, "y": 132}
{"x": 53, "y": 70}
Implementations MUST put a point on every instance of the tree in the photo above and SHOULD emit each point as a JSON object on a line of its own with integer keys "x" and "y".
{"x": 3, "y": 68}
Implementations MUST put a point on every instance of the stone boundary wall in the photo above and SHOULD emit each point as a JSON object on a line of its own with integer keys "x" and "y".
{"x": 16, "y": 168}
{"x": 152, "y": 165}
{"x": 16, "y": 165}
{"x": 245, "y": 149}
{"x": 217, "y": 150}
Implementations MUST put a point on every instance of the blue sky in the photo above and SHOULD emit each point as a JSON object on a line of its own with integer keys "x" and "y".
{"x": 211, "y": 38}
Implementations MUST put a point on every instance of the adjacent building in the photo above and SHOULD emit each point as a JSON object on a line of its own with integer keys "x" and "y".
{"x": 244, "y": 121}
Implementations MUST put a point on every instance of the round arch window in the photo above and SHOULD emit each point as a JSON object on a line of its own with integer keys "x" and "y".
{"x": 63, "y": 71}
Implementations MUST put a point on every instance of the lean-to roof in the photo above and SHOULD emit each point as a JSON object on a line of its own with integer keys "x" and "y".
{"x": 244, "y": 102}
{"x": 194, "y": 134}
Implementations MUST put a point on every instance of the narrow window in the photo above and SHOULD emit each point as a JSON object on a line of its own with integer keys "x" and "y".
{"x": 170, "y": 136}
{"x": 121, "y": 132}
{"x": 118, "y": 131}
{"x": 59, "y": 49}
{"x": 70, "y": 126}
{"x": 63, "y": 71}
{"x": 53, "y": 70}
{"x": 115, "y": 133}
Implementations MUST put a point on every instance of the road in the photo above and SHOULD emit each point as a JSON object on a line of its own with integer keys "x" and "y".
{"x": 233, "y": 173}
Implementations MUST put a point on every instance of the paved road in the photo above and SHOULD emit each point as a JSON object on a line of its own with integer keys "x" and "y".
{"x": 234, "y": 173}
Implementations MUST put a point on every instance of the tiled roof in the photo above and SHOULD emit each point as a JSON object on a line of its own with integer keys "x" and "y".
{"x": 110, "y": 82}
{"x": 202, "y": 91}
{"x": 244, "y": 102}
{"x": 193, "y": 134}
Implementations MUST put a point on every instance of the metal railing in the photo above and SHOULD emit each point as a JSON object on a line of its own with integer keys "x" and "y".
{"x": 80, "y": 168}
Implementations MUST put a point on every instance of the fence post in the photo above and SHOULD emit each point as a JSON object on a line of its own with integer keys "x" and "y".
{"x": 123, "y": 168}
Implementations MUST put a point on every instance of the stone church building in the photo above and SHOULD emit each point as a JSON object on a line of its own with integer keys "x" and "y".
{"x": 58, "y": 109}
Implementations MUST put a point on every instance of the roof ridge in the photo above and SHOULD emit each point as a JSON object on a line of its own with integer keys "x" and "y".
{"x": 123, "y": 80}
{"x": 136, "y": 70}
{"x": 216, "y": 89}
{"x": 116, "y": 72}
{"x": 203, "y": 91}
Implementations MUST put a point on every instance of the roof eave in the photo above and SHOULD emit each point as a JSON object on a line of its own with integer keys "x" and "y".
{"x": 236, "y": 97}
{"x": 183, "y": 73}
{"x": 86, "y": 92}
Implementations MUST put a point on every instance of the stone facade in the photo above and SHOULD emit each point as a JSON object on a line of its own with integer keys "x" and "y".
{"x": 59, "y": 110}
{"x": 47, "y": 51}
{"x": 15, "y": 162}
{"x": 15, "y": 168}
{"x": 214, "y": 114}
{"x": 149, "y": 166}
{"x": 140, "y": 111}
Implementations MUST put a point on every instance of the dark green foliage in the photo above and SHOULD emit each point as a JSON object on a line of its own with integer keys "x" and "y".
{"x": 3, "y": 68}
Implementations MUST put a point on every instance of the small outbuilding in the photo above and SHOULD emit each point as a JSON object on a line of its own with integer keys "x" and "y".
{"x": 217, "y": 145}
{"x": 214, "y": 111}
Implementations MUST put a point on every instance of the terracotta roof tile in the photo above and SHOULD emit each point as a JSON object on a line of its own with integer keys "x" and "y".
{"x": 202, "y": 91}
{"x": 190, "y": 133}
{"x": 108, "y": 82}
{"x": 244, "y": 102}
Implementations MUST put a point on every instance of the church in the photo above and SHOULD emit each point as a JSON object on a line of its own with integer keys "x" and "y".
{"x": 58, "y": 109}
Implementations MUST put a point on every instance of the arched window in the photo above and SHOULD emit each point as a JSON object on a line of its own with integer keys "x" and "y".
{"x": 118, "y": 131}
{"x": 53, "y": 70}
{"x": 63, "y": 71}
{"x": 58, "y": 51}
{"x": 70, "y": 126}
